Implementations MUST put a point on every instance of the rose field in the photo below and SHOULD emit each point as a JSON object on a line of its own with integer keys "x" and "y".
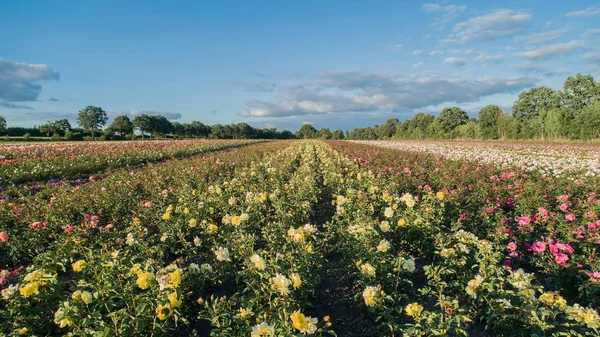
{"x": 295, "y": 238}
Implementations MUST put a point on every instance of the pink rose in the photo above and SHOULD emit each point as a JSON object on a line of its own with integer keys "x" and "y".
{"x": 570, "y": 217}
{"x": 3, "y": 236}
{"x": 512, "y": 246}
{"x": 594, "y": 277}
{"x": 538, "y": 247}
{"x": 563, "y": 207}
{"x": 553, "y": 249}
{"x": 561, "y": 258}
{"x": 524, "y": 220}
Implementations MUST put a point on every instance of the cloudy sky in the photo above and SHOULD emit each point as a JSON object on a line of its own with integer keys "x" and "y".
{"x": 336, "y": 64}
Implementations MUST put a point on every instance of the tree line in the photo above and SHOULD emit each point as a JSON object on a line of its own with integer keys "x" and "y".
{"x": 538, "y": 113}
{"x": 92, "y": 124}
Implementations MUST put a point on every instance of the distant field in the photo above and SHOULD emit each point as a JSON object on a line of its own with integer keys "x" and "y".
{"x": 294, "y": 238}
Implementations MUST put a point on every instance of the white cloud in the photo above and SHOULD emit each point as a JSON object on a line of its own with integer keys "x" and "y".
{"x": 447, "y": 13}
{"x": 417, "y": 65}
{"x": 552, "y": 50}
{"x": 430, "y": 7}
{"x": 533, "y": 68}
{"x": 417, "y": 52}
{"x": 501, "y": 23}
{"x": 593, "y": 57}
{"x": 540, "y": 38}
{"x": 347, "y": 91}
{"x": 489, "y": 59}
{"x": 398, "y": 46}
{"x": 591, "y": 32}
{"x": 455, "y": 61}
{"x": 436, "y": 52}
{"x": 19, "y": 81}
{"x": 588, "y": 12}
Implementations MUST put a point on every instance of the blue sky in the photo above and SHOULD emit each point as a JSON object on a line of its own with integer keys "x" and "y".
{"x": 336, "y": 64}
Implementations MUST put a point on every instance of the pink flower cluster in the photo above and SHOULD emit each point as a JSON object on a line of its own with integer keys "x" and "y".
{"x": 38, "y": 224}
{"x": 559, "y": 250}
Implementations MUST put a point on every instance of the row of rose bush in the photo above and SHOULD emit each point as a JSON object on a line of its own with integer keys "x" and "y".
{"x": 444, "y": 247}
{"x": 554, "y": 160}
{"x": 219, "y": 243}
{"x": 26, "y": 163}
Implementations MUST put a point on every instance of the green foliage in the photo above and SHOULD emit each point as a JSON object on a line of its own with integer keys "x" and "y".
{"x": 92, "y": 119}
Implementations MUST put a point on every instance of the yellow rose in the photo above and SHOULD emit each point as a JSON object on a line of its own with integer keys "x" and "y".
{"x": 144, "y": 279}
{"x": 413, "y": 309}
{"x": 77, "y": 266}
{"x": 173, "y": 300}
{"x": 160, "y": 311}
{"x": 401, "y": 223}
{"x": 86, "y": 297}
{"x": 29, "y": 289}
{"x": 440, "y": 195}
{"x": 296, "y": 280}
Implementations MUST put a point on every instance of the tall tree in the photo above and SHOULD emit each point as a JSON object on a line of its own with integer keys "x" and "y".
{"x": 307, "y": 131}
{"x": 143, "y": 124}
{"x": 325, "y": 133}
{"x": 2, "y": 124}
{"x": 62, "y": 125}
{"x": 489, "y": 117}
{"x": 531, "y": 109}
{"x": 450, "y": 119}
{"x": 92, "y": 119}
{"x": 122, "y": 125}
{"x": 338, "y": 134}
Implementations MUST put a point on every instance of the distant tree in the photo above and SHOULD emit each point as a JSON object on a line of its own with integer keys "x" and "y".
{"x": 122, "y": 125}
{"x": 325, "y": 133}
{"x": 387, "y": 130}
{"x": 2, "y": 124}
{"x": 338, "y": 134}
{"x": 92, "y": 119}
{"x": 530, "y": 111}
{"x": 178, "y": 130}
{"x": 307, "y": 131}
{"x": 489, "y": 117}
{"x": 160, "y": 126}
{"x": 589, "y": 121}
{"x": 62, "y": 125}
{"x": 143, "y": 124}
{"x": 450, "y": 119}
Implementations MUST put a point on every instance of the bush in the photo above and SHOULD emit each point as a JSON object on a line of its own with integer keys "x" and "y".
{"x": 26, "y": 136}
{"x": 73, "y": 136}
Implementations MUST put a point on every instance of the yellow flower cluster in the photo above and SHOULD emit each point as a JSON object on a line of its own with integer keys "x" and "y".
{"x": 167, "y": 215}
{"x": 33, "y": 281}
{"x": 305, "y": 324}
{"x": 553, "y": 299}
{"x": 414, "y": 309}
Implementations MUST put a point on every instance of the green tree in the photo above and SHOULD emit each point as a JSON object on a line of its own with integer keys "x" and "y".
{"x": 307, "y": 131}
{"x": 160, "y": 126}
{"x": 325, "y": 133}
{"x": 531, "y": 109}
{"x": 2, "y": 124}
{"x": 143, "y": 124}
{"x": 589, "y": 121}
{"x": 337, "y": 134}
{"x": 388, "y": 129}
{"x": 450, "y": 119}
{"x": 62, "y": 125}
{"x": 489, "y": 117}
{"x": 92, "y": 119}
{"x": 122, "y": 125}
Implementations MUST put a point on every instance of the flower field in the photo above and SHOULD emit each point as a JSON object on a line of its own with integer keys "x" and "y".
{"x": 295, "y": 238}
{"x": 25, "y": 163}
